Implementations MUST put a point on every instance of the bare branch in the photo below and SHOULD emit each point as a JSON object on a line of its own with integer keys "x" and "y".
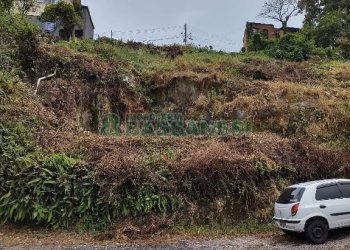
{"x": 280, "y": 10}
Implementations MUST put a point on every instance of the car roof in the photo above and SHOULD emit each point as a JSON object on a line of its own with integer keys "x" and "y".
{"x": 318, "y": 182}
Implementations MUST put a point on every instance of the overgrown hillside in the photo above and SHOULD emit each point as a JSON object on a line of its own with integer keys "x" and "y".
{"x": 56, "y": 169}
{"x": 308, "y": 100}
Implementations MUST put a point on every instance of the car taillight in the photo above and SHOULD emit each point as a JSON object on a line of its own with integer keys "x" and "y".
{"x": 295, "y": 209}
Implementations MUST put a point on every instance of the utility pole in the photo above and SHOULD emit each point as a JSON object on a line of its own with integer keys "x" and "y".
{"x": 187, "y": 36}
{"x": 111, "y": 34}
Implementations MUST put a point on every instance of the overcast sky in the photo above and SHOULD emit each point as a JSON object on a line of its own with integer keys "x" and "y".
{"x": 219, "y": 23}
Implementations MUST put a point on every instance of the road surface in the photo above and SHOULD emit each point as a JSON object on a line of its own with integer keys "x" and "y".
{"x": 339, "y": 239}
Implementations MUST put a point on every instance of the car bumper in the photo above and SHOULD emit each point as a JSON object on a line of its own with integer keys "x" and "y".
{"x": 290, "y": 225}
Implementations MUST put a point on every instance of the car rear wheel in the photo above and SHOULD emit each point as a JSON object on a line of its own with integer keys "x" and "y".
{"x": 317, "y": 231}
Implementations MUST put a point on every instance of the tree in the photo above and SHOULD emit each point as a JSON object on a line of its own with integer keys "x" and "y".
{"x": 280, "y": 10}
{"x": 25, "y": 5}
{"x": 315, "y": 9}
{"x": 64, "y": 16}
{"x": 330, "y": 27}
{"x": 6, "y": 5}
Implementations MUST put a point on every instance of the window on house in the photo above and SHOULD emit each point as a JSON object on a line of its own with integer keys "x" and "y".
{"x": 49, "y": 26}
{"x": 79, "y": 33}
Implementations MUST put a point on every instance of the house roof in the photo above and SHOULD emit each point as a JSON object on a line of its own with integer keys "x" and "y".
{"x": 88, "y": 11}
{"x": 292, "y": 29}
{"x": 289, "y": 29}
{"x": 269, "y": 24}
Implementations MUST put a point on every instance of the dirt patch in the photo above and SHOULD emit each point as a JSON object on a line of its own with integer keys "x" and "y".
{"x": 268, "y": 70}
{"x": 182, "y": 90}
{"x": 85, "y": 88}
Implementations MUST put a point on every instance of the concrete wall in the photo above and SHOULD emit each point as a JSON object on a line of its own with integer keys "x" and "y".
{"x": 269, "y": 29}
{"x": 88, "y": 25}
{"x": 40, "y": 6}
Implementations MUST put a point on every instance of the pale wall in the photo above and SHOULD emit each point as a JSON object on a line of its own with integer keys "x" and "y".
{"x": 40, "y": 6}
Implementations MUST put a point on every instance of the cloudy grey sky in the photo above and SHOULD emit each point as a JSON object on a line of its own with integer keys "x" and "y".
{"x": 219, "y": 23}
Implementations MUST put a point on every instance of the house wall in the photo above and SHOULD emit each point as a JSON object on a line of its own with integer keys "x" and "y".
{"x": 269, "y": 29}
{"x": 40, "y": 6}
{"x": 88, "y": 26}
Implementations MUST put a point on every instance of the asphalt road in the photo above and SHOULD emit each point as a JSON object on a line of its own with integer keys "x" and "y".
{"x": 339, "y": 239}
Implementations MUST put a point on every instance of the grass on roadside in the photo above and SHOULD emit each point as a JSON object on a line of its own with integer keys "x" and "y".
{"x": 244, "y": 227}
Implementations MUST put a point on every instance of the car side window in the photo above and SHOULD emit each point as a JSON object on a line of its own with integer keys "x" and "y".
{"x": 328, "y": 192}
{"x": 345, "y": 189}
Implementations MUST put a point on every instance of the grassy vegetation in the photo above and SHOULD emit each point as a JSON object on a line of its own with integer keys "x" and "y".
{"x": 54, "y": 173}
{"x": 151, "y": 63}
{"x": 244, "y": 227}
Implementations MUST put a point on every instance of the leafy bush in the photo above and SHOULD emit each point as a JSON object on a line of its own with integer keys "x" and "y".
{"x": 258, "y": 42}
{"x": 292, "y": 47}
{"x": 343, "y": 45}
{"x": 18, "y": 42}
{"x": 64, "y": 15}
{"x": 8, "y": 46}
{"x": 58, "y": 192}
{"x": 328, "y": 53}
{"x": 54, "y": 190}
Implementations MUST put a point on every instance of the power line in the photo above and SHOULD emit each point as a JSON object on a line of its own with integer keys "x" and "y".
{"x": 218, "y": 38}
{"x": 146, "y": 31}
{"x": 163, "y": 39}
{"x": 173, "y": 33}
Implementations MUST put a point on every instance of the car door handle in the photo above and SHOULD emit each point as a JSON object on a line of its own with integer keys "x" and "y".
{"x": 323, "y": 206}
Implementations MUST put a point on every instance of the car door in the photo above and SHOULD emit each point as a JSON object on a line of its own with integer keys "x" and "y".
{"x": 345, "y": 189}
{"x": 330, "y": 202}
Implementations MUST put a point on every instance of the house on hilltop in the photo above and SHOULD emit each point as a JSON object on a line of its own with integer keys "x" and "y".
{"x": 86, "y": 31}
{"x": 267, "y": 30}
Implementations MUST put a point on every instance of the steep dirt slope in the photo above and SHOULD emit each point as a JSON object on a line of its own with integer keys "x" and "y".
{"x": 300, "y": 117}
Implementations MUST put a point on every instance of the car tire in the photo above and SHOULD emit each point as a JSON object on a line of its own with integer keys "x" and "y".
{"x": 316, "y": 231}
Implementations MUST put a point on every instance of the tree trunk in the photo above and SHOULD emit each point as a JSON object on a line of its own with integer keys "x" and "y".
{"x": 284, "y": 25}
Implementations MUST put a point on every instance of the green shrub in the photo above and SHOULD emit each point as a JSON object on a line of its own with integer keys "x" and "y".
{"x": 258, "y": 42}
{"x": 65, "y": 15}
{"x": 343, "y": 45}
{"x": 18, "y": 42}
{"x": 292, "y": 47}
{"x": 59, "y": 191}
{"x": 54, "y": 190}
{"x": 328, "y": 53}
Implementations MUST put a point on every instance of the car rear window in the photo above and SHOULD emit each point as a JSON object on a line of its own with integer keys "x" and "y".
{"x": 345, "y": 189}
{"x": 291, "y": 195}
{"x": 328, "y": 192}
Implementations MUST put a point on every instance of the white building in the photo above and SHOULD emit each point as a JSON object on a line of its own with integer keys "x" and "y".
{"x": 40, "y": 6}
{"x": 86, "y": 31}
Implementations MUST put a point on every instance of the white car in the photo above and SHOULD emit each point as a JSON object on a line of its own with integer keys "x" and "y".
{"x": 314, "y": 208}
